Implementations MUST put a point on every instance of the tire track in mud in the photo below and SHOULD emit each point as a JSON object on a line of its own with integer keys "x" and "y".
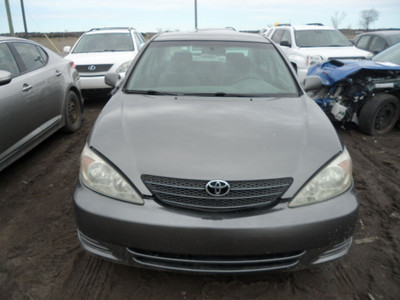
{"x": 376, "y": 162}
{"x": 84, "y": 277}
{"x": 92, "y": 281}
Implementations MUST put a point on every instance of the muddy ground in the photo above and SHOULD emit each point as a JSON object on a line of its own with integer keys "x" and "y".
{"x": 40, "y": 257}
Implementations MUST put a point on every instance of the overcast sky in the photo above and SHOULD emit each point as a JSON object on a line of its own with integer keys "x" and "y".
{"x": 156, "y": 15}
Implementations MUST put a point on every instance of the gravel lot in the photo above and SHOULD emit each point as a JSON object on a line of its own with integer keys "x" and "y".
{"x": 40, "y": 257}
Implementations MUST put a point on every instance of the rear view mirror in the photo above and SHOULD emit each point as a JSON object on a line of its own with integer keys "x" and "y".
{"x": 285, "y": 44}
{"x": 312, "y": 83}
{"x": 5, "y": 77}
{"x": 112, "y": 78}
{"x": 67, "y": 49}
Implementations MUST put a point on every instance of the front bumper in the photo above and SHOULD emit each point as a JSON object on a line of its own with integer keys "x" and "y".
{"x": 93, "y": 82}
{"x": 248, "y": 241}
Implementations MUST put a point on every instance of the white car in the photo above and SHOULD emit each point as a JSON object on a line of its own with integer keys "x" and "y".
{"x": 307, "y": 45}
{"x": 101, "y": 50}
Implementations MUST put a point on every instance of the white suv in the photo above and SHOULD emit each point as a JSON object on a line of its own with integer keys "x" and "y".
{"x": 101, "y": 50}
{"x": 307, "y": 45}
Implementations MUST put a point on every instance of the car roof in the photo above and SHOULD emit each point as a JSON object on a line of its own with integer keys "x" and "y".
{"x": 313, "y": 26}
{"x": 382, "y": 32}
{"x": 211, "y": 35}
{"x": 109, "y": 30}
{"x": 12, "y": 38}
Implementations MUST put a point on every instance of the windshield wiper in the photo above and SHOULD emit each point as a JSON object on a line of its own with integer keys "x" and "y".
{"x": 151, "y": 92}
{"x": 222, "y": 94}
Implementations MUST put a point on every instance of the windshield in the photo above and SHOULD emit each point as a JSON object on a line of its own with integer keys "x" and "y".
{"x": 212, "y": 69}
{"x": 102, "y": 42}
{"x": 391, "y": 55}
{"x": 321, "y": 38}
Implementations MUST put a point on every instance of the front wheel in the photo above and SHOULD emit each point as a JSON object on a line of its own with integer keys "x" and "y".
{"x": 72, "y": 113}
{"x": 379, "y": 114}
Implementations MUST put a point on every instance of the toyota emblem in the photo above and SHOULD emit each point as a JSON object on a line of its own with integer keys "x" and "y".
{"x": 218, "y": 188}
{"x": 92, "y": 68}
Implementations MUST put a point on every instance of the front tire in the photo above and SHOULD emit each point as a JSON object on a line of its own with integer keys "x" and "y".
{"x": 72, "y": 113}
{"x": 379, "y": 114}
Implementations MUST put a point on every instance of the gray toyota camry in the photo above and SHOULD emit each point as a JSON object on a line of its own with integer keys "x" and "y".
{"x": 211, "y": 158}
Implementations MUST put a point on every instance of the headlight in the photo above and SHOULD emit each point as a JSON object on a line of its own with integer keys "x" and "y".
{"x": 331, "y": 181}
{"x": 124, "y": 67}
{"x": 313, "y": 60}
{"x": 98, "y": 175}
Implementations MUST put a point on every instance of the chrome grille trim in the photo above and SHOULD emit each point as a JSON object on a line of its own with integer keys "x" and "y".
{"x": 98, "y": 69}
{"x": 345, "y": 58}
{"x": 216, "y": 264}
{"x": 190, "y": 193}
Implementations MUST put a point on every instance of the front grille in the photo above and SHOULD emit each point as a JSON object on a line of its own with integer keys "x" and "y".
{"x": 192, "y": 193}
{"x": 216, "y": 264}
{"x": 93, "y": 68}
{"x": 340, "y": 58}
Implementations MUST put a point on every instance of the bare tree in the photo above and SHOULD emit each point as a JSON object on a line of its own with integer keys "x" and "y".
{"x": 368, "y": 16}
{"x": 337, "y": 18}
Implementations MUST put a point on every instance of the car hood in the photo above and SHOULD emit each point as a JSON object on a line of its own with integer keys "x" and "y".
{"x": 215, "y": 138}
{"x": 101, "y": 57}
{"x": 336, "y": 52}
{"x": 337, "y": 70}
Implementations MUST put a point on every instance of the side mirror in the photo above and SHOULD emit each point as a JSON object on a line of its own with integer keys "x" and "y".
{"x": 312, "y": 83}
{"x": 285, "y": 44}
{"x": 67, "y": 49}
{"x": 5, "y": 77}
{"x": 112, "y": 78}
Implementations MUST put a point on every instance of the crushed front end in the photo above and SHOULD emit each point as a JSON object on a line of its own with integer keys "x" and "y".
{"x": 348, "y": 85}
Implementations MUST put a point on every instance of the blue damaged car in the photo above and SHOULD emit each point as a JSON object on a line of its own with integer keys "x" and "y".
{"x": 364, "y": 92}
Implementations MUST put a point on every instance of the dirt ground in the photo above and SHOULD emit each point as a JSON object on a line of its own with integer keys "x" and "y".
{"x": 40, "y": 257}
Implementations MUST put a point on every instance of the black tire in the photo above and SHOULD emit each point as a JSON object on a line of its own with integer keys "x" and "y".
{"x": 379, "y": 114}
{"x": 72, "y": 113}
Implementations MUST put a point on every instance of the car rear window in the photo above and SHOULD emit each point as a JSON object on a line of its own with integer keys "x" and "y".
{"x": 212, "y": 68}
{"x": 104, "y": 42}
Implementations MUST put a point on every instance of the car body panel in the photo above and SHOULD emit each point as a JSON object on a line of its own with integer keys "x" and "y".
{"x": 33, "y": 103}
{"x": 240, "y": 142}
{"x": 199, "y": 137}
{"x": 334, "y": 71}
{"x": 153, "y": 227}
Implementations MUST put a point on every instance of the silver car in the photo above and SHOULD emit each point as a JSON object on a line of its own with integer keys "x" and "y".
{"x": 39, "y": 94}
{"x": 210, "y": 157}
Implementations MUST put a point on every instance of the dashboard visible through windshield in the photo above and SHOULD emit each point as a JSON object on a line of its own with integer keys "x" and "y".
{"x": 212, "y": 69}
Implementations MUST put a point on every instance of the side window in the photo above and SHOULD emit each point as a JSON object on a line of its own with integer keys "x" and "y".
{"x": 7, "y": 61}
{"x": 44, "y": 55}
{"x": 286, "y": 37}
{"x": 363, "y": 42}
{"x": 30, "y": 56}
{"x": 377, "y": 44}
{"x": 277, "y": 36}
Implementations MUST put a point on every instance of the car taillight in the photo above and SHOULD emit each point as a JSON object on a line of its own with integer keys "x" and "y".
{"x": 72, "y": 64}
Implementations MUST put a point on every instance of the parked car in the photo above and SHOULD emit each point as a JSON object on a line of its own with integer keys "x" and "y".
{"x": 376, "y": 41}
{"x": 366, "y": 93}
{"x": 39, "y": 94}
{"x": 100, "y": 50}
{"x": 210, "y": 157}
{"x": 308, "y": 45}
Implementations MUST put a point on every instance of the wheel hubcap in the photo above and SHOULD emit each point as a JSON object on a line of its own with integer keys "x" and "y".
{"x": 384, "y": 117}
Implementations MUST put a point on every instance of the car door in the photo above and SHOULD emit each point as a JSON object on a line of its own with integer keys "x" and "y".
{"x": 31, "y": 103}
